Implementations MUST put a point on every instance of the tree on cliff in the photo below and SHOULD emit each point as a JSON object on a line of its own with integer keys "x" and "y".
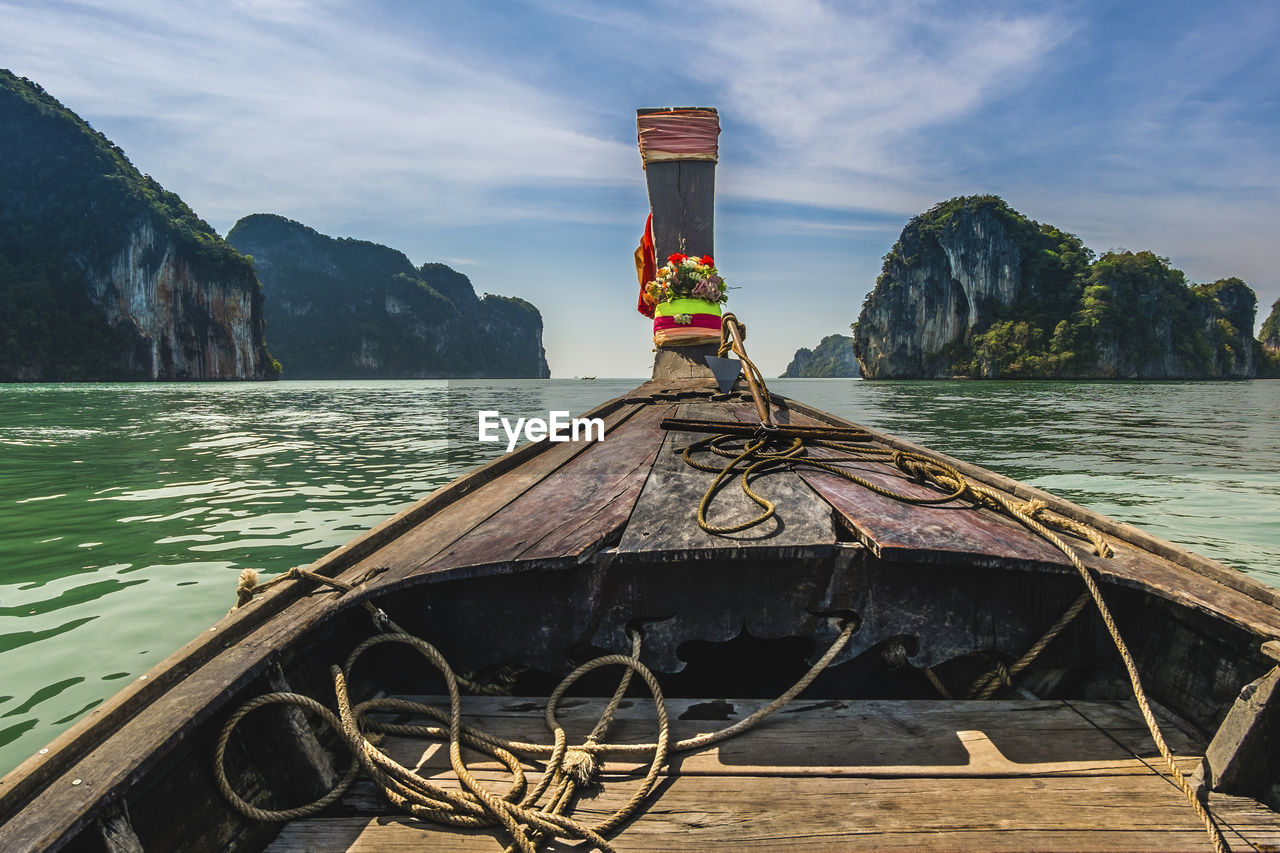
{"x": 831, "y": 359}
{"x": 340, "y": 308}
{"x": 973, "y": 288}
{"x": 85, "y": 238}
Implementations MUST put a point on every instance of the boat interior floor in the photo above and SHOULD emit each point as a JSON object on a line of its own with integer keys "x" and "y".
{"x": 884, "y": 775}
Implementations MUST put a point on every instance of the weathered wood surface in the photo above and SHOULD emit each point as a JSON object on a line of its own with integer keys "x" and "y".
{"x": 898, "y": 531}
{"x": 1244, "y": 756}
{"x": 1139, "y": 539}
{"x": 411, "y": 554}
{"x": 573, "y": 510}
{"x": 1106, "y": 815}
{"x": 682, "y": 197}
{"x": 666, "y": 515}
{"x": 943, "y": 779}
{"x": 881, "y": 738}
{"x": 683, "y": 363}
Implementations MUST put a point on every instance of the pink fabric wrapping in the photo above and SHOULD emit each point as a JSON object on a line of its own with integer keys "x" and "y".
{"x": 697, "y": 321}
{"x": 679, "y": 134}
{"x": 684, "y": 336}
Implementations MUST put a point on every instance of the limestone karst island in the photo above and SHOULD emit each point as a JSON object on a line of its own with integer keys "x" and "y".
{"x": 975, "y": 289}
{"x": 105, "y": 275}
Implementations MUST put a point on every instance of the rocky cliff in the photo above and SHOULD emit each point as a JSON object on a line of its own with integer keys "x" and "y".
{"x": 103, "y": 273}
{"x": 973, "y": 288}
{"x": 833, "y": 358}
{"x": 350, "y": 309}
{"x": 1268, "y": 353}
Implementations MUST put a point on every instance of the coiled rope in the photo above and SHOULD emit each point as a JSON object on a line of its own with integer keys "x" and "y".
{"x": 759, "y": 455}
{"x": 763, "y": 453}
{"x": 568, "y": 769}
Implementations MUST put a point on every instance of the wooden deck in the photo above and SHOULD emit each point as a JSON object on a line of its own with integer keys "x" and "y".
{"x": 571, "y": 500}
{"x": 847, "y": 775}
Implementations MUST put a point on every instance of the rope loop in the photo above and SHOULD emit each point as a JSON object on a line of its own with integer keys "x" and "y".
{"x": 527, "y": 816}
{"x": 754, "y": 460}
{"x": 270, "y": 815}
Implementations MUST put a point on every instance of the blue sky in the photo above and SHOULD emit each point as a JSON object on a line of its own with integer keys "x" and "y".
{"x": 499, "y": 137}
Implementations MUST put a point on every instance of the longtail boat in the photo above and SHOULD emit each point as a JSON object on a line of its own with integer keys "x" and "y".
{"x": 733, "y": 621}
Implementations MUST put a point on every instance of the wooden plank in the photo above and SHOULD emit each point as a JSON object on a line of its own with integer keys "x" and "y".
{"x": 573, "y": 509}
{"x": 411, "y": 553}
{"x": 1247, "y": 818}
{"x": 1141, "y": 540}
{"x": 1122, "y": 813}
{"x": 665, "y": 516}
{"x": 873, "y": 738}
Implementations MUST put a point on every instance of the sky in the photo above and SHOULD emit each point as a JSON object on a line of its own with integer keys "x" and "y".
{"x": 499, "y": 137}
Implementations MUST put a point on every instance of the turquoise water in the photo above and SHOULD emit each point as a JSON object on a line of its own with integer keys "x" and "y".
{"x": 127, "y": 511}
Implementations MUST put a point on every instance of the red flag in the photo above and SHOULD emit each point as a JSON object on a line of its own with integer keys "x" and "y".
{"x": 646, "y": 266}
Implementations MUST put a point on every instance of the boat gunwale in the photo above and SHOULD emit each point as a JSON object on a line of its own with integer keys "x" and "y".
{"x": 21, "y": 784}
{"x": 1140, "y": 539}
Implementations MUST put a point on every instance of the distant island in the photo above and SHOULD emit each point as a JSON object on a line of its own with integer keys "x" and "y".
{"x": 339, "y": 308}
{"x": 832, "y": 358}
{"x": 974, "y": 289}
{"x": 104, "y": 274}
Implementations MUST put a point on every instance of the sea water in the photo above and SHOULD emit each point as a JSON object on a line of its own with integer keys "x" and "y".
{"x": 128, "y": 510}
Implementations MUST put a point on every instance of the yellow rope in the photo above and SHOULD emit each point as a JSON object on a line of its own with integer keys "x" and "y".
{"x": 568, "y": 769}
{"x": 755, "y": 457}
{"x": 986, "y": 685}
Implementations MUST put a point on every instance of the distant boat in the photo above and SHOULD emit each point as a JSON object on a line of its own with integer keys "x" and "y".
{"x": 587, "y": 378}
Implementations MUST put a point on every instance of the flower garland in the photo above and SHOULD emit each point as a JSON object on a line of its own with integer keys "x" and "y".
{"x": 683, "y": 277}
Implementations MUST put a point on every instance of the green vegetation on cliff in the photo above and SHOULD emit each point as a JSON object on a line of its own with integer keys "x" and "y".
{"x": 832, "y": 358}
{"x": 992, "y": 293}
{"x": 1132, "y": 310}
{"x": 340, "y": 308}
{"x": 1269, "y": 344}
{"x": 69, "y": 198}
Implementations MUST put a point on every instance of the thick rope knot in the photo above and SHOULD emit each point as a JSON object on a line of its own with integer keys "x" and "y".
{"x": 1037, "y": 510}
{"x": 895, "y": 654}
{"x": 244, "y": 589}
{"x": 908, "y": 466}
{"x": 1033, "y": 508}
{"x": 580, "y": 766}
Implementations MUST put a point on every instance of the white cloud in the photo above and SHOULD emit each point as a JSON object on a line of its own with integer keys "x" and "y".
{"x": 288, "y": 105}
